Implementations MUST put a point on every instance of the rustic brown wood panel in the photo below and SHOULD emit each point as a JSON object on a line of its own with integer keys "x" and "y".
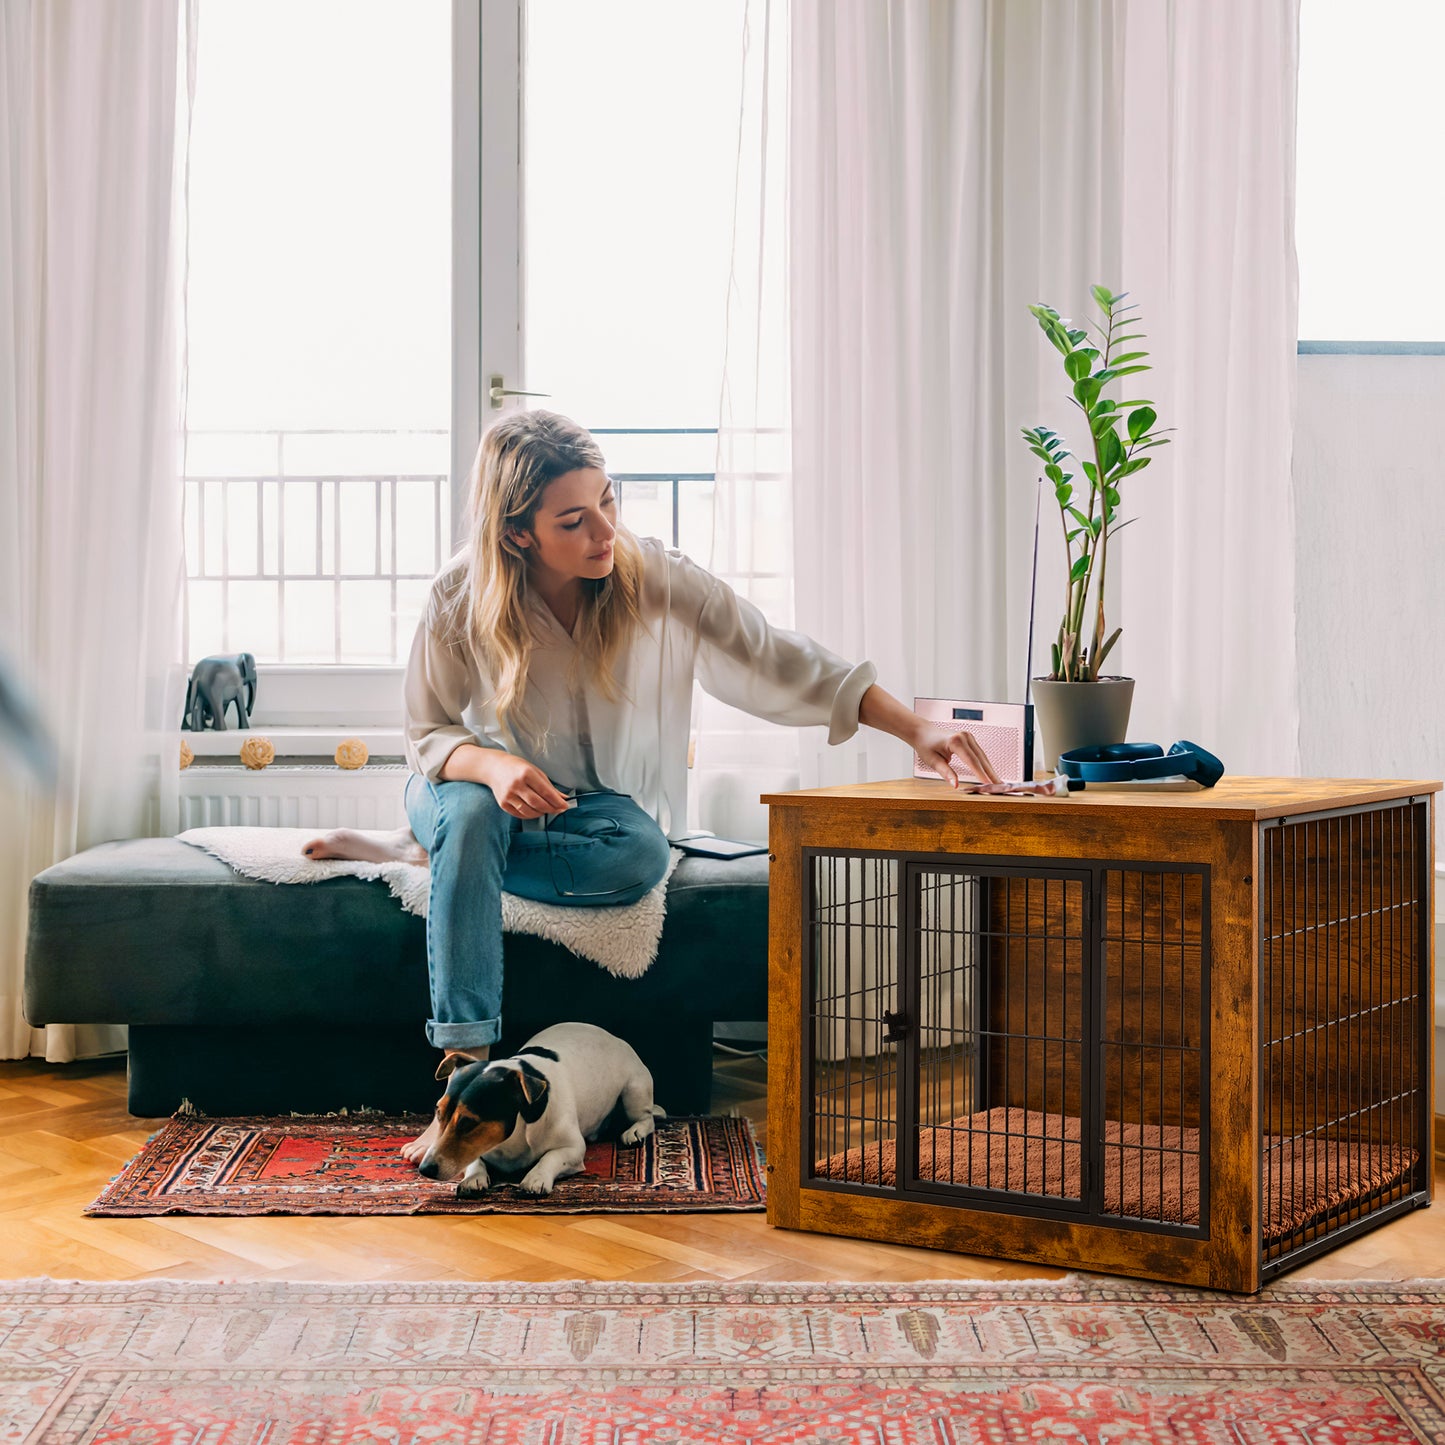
{"x": 1044, "y": 1241}
{"x": 1231, "y": 799}
{"x": 786, "y": 993}
{"x": 1148, "y": 921}
{"x": 1234, "y": 1058}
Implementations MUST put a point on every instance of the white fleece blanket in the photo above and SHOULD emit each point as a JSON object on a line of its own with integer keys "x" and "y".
{"x": 623, "y": 940}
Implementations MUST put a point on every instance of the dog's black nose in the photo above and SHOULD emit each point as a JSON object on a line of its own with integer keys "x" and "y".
{"x": 429, "y": 1169}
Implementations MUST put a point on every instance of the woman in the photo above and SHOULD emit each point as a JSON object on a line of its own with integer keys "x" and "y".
{"x": 548, "y": 699}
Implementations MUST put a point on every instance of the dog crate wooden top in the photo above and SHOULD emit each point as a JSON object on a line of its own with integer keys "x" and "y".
{"x": 1233, "y": 799}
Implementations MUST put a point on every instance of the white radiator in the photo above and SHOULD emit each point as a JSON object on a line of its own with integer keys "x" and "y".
{"x": 282, "y": 796}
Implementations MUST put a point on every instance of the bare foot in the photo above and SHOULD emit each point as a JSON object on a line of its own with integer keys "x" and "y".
{"x": 414, "y": 1152}
{"x": 348, "y": 844}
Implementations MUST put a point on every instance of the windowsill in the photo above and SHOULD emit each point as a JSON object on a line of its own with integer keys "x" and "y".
{"x": 299, "y": 742}
{"x": 1371, "y": 348}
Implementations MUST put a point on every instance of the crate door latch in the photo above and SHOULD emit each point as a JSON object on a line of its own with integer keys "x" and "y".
{"x": 897, "y": 1026}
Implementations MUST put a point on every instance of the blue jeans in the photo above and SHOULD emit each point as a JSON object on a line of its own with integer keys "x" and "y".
{"x": 606, "y": 850}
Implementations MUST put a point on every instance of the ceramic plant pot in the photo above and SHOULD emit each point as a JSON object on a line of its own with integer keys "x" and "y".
{"x": 1081, "y": 714}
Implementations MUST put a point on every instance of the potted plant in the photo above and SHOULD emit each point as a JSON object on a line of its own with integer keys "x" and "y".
{"x": 1078, "y": 706}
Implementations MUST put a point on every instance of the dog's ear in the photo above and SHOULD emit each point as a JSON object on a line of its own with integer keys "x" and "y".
{"x": 451, "y": 1062}
{"x": 532, "y": 1084}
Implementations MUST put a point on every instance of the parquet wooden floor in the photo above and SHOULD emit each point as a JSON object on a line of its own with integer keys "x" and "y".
{"x": 64, "y": 1131}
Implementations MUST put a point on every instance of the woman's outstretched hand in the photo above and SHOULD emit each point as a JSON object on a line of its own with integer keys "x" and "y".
{"x": 938, "y": 751}
{"x": 881, "y": 710}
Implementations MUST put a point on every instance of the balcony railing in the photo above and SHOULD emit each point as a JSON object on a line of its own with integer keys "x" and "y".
{"x": 319, "y": 547}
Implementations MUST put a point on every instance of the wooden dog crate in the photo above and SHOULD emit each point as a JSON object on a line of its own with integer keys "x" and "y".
{"x": 1185, "y": 1036}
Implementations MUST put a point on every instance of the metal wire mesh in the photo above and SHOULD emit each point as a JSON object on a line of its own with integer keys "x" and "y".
{"x": 969, "y": 1028}
{"x": 1343, "y": 1041}
{"x": 853, "y": 944}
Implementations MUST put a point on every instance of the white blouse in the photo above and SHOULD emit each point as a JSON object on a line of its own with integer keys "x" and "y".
{"x": 694, "y": 627}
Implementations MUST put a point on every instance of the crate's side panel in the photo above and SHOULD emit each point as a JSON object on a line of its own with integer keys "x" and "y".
{"x": 1432, "y": 1142}
{"x": 1345, "y": 966}
{"x": 785, "y": 1014}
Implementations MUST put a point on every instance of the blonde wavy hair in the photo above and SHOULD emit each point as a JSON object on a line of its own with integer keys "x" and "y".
{"x": 516, "y": 460}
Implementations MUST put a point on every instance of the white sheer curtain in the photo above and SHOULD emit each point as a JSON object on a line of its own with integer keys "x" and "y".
{"x": 91, "y": 248}
{"x": 949, "y": 164}
{"x": 738, "y": 757}
{"x": 1209, "y": 589}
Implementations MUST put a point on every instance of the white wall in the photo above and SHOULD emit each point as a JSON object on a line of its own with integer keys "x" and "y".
{"x": 1369, "y": 473}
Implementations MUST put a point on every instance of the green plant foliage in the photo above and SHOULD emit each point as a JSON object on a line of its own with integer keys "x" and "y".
{"x": 1090, "y": 366}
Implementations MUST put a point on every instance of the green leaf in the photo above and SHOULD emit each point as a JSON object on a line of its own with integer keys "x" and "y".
{"x": 1077, "y": 337}
{"x": 1069, "y": 536}
{"x": 1102, "y": 295}
{"x": 1131, "y": 336}
{"x": 1127, "y": 356}
{"x": 1087, "y": 391}
{"x": 1042, "y": 454}
{"x": 1119, "y": 526}
{"x": 1104, "y": 650}
{"x": 1134, "y": 464}
{"x": 1130, "y": 370}
{"x": 1054, "y": 658}
{"x": 1081, "y": 565}
{"x": 1140, "y": 421}
{"x": 1111, "y": 451}
{"x": 1054, "y": 473}
{"x": 1077, "y": 363}
{"x": 1091, "y": 471}
{"x": 1096, "y": 525}
{"x": 1078, "y": 516}
{"x": 1111, "y": 496}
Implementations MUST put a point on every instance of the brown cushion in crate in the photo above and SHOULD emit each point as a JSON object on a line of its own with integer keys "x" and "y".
{"x": 1028, "y": 1152}
{"x": 1149, "y": 1172}
{"x": 1306, "y": 1179}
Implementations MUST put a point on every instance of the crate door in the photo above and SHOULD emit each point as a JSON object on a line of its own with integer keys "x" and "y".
{"x": 852, "y": 1027}
{"x": 996, "y": 980}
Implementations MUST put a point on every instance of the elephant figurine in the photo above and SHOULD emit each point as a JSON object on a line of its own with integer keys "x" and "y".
{"x": 215, "y": 684}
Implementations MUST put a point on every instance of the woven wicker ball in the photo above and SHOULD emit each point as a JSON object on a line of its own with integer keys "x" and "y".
{"x": 351, "y": 753}
{"x": 187, "y": 756}
{"x": 257, "y": 752}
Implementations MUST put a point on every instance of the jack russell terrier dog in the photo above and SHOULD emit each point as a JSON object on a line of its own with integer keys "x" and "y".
{"x": 536, "y": 1110}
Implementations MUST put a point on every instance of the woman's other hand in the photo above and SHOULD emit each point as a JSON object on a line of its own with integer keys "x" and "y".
{"x": 938, "y": 751}
{"x": 522, "y": 789}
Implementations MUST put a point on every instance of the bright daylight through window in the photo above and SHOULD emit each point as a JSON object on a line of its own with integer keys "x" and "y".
{"x": 1370, "y": 207}
{"x": 317, "y": 494}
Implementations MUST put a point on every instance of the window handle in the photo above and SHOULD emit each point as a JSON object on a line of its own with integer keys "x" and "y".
{"x": 497, "y": 391}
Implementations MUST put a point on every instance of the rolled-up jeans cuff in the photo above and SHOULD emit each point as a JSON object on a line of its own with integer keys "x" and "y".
{"x": 463, "y": 1036}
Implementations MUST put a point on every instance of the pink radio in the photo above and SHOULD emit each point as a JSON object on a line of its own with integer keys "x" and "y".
{"x": 1004, "y": 730}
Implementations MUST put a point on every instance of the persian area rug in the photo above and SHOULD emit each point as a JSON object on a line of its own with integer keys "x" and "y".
{"x": 502, "y": 1364}
{"x": 351, "y": 1165}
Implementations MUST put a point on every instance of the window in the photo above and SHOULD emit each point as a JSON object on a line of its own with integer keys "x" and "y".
{"x": 319, "y": 315}
{"x": 1370, "y": 211}
{"x": 630, "y": 132}
{"x": 359, "y": 274}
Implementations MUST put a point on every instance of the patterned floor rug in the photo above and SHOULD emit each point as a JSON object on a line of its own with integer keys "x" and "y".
{"x": 351, "y": 1166}
{"x": 1081, "y": 1361}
